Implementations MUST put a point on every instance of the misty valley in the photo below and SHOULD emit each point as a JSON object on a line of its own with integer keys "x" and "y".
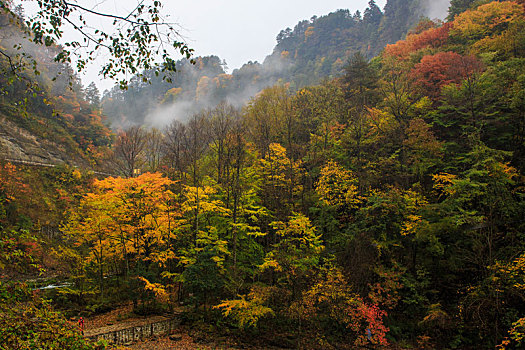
{"x": 363, "y": 187}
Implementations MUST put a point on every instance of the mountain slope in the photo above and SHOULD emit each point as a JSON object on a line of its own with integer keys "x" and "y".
{"x": 45, "y": 113}
{"x": 313, "y": 50}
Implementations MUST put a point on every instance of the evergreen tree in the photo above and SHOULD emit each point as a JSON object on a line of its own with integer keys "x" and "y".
{"x": 459, "y": 6}
{"x": 372, "y": 13}
{"x": 93, "y": 95}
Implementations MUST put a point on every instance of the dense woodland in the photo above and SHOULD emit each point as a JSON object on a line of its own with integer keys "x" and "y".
{"x": 380, "y": 208}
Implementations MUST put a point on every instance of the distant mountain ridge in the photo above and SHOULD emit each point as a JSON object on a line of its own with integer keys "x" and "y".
{"x": 63, "y": 122}
{"x": 313, "y": 50}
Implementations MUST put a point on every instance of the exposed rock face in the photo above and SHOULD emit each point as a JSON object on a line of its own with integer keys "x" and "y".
{"x": 18, "y": 144}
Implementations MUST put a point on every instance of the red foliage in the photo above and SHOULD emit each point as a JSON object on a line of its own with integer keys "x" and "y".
{"x": 31, "y": 247}
{"x": 443, "y": 68}
{"x": 433, "y": 38}
{"x": 373, "y": 318}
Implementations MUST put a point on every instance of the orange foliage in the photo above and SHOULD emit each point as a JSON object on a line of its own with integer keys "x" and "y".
{"x": 433, "y": 38}
{"x": 386, "y": 293}
{"x": 203, "y": 87}
{"x": 222, "y": 80}
{"x": 68, "y": 117}
{"x": 308, "y": 33}
{"x": 12, "y": 185}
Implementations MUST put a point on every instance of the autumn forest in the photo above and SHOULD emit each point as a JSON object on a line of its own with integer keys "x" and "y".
{"x": 369, "y": 195}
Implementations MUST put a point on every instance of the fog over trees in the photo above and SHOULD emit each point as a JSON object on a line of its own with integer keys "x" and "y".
{"x": 363, "y": 187}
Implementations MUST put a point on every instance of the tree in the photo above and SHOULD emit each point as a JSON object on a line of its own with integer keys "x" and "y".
{"x": 263, "y": 116}
{"x": 337, "y": 187}
{"x": 92, "y": 226}
{"x": 196, "y": 143}
{"x": 11, "y": 186}
{"x": 331, "y": 299}
{"x": 281, "y": 180}
{"x": 129, "y": 148}
{"x": 222, "y": 121}
{"x": 361, "y": 91}
{"x": 93, "y": 95}
{"x": 424, "y": 150}
{"x": 45, "y": 329}
{"x": 154, "y": 150}
{"x": 319, "y": 110}
{"x": 141, "y": 36}
{"x": 504, "y": 87}
{"x": 480, "y": 206}
{"x": 463, "y": 109}
{"x": 399, "y": 95}
{"x": 400, "y": 17}
{"x": 175, "y": 150}
{"x": 296, "y": 253}
{"x": 247, "y": 310}
{"x": 432, "y": 38}
{"x": 130, "y": 221}
{"x": 204, "y": 258}
{"x": 373, "y": 13}
{"x": 359, "y": 82}
{"x": 485, "y": 21}
{"x": 443, "y": 68}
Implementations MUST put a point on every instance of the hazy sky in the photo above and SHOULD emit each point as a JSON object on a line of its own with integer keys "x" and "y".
{"x": 243, "y": 30}
{"x": 237, "y": 31}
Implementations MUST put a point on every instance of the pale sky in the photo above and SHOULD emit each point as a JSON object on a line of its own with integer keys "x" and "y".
{"x": 243, "y": 30}
{"x": 237, "y": 31}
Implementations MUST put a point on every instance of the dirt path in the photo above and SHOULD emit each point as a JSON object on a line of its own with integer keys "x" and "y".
{"x": 186, "y": 343}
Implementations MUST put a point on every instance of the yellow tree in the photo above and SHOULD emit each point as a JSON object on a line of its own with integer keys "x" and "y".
{"x": 337, "y": 186}
{"x": 123, "y": 218}
{"x": 281, "y": 179}
{"x": 486, "y": 21}
{"x": 144, "y": 210}
{"x": 204, "y": 258}
{"x": 296, "y": 254}
{"x": 91, "y": 227}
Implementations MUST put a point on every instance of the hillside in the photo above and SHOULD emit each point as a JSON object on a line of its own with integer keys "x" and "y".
{"x": 313, "y": 50}
{"x": 46, "y": 113}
